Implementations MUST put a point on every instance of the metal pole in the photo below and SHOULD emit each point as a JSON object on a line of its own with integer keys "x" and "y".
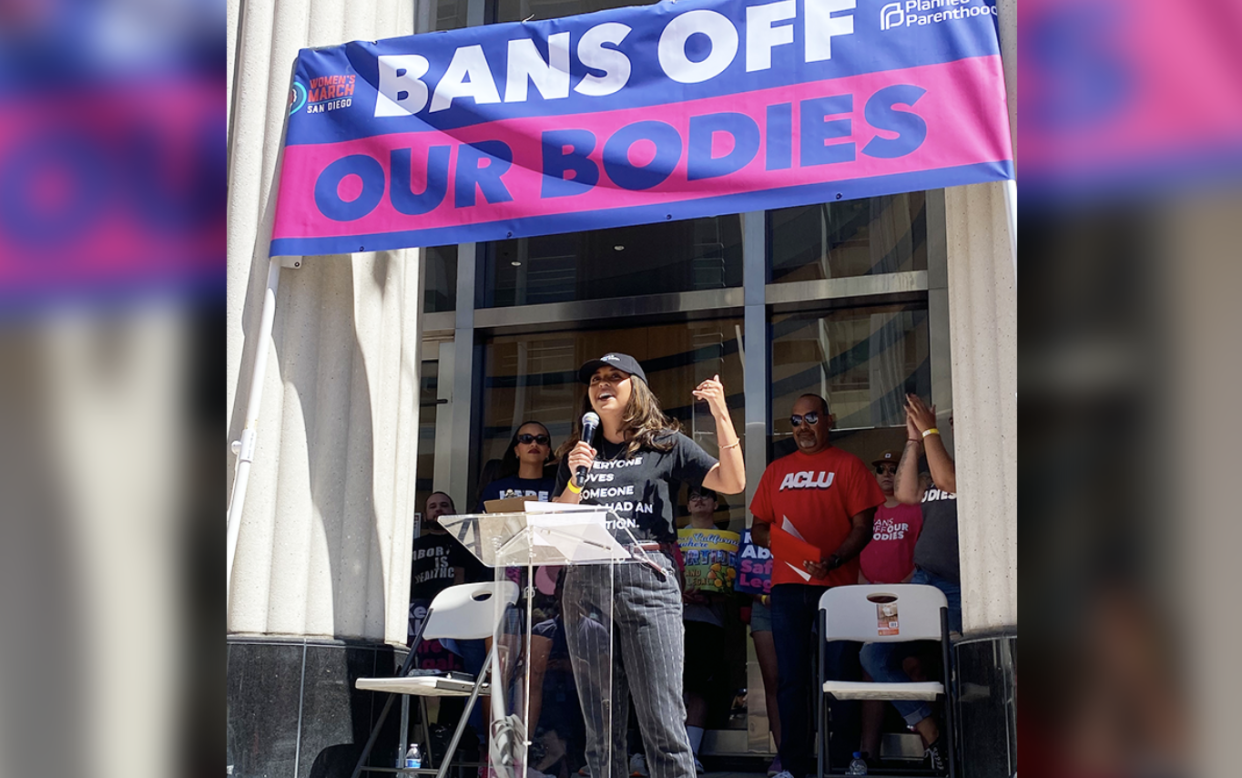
{"x": 1011, "y": 210}
{"x": 823, "y": 766}
{"x": 244, "y": 448}
{"x": 383, "y": 716}
{"x": 461, "y": 725}
{"x": 950, "y": 698}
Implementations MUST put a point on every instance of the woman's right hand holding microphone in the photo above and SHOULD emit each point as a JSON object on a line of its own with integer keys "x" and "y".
{"x": 581, "y": 455}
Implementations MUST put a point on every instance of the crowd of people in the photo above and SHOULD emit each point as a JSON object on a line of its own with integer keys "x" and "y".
{"x": 637, "y": 701}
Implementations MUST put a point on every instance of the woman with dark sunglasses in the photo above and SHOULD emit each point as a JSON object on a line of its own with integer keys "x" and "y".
{"x": 524, "y": 469}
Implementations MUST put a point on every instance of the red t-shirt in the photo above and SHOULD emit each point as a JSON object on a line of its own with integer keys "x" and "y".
{"x": 818, "y": 493}
{"x": 889, "y": 557}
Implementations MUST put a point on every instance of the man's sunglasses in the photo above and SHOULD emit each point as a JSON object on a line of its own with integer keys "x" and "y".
{"x": 882, "y": 469}
{"x": 811, "y": 418}
{"x": 526, "y": 439}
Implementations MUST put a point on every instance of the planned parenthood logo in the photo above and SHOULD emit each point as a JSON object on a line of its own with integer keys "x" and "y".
{"x": 917, "y": 13}
{"x": 892, "y": 16}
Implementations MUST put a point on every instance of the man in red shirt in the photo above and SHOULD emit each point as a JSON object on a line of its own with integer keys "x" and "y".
{"x": 826, "y": 499}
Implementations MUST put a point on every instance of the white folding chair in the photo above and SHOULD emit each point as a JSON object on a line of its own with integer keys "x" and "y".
{"x": 465, "y": 612}
{"x": 884, "y": 613}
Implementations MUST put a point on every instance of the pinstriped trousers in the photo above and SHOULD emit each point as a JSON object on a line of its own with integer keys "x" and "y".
{"x": 644, "y": 658}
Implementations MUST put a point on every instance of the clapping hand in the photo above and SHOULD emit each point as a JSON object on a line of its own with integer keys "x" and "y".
{"x": 918, "y": 414}
{"x": 912, "y": 429}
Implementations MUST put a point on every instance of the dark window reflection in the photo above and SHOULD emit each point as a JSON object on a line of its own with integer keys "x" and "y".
{"x": 450, "y": 15}
{"x": 440, "y": 279}
{"x": 626, "y": 261}
{"x": 863, "y": 360}
{"x": 428, "y": 388}
{"x": 848, "y": 238}
{"x": 517, "y": 10}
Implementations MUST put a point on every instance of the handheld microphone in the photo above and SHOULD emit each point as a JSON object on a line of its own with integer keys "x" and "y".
{"x": 590, "y": 423}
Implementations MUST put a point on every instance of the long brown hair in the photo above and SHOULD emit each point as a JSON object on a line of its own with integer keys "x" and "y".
{"x": 644, "y": 424}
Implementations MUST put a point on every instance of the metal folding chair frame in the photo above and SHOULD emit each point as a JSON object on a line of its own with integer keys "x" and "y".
{"x": 950, "y": 732}
{"x": 360, "y": 767}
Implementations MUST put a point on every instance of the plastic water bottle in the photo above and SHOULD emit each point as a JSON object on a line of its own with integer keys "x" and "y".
{"x": 858, "y": 766}
{"x": 413, "y": 759}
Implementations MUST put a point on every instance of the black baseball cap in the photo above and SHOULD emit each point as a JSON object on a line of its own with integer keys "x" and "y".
{"x": 622, "y": 362}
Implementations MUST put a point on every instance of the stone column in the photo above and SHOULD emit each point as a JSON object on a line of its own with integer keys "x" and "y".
{"x": 320, "y": 584}
{"x": 983, "y": 331}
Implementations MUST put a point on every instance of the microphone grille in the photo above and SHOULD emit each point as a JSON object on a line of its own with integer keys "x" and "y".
{"x": 590, "y": 417}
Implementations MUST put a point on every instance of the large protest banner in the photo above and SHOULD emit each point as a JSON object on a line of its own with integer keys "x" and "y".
{"x": 682, "y": 109}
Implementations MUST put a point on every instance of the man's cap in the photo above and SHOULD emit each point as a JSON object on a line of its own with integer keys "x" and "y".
{"x": 623, "y": 362}
{"x": 892, "y": 455}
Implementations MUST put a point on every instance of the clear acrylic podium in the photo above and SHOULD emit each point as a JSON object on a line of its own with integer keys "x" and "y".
{"x": 514, "y": 545}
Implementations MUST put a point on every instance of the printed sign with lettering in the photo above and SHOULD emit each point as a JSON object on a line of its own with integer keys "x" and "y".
{"x": 675, "y": 110}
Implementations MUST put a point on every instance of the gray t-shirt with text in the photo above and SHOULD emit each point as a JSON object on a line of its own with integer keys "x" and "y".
{"x": 936, "y": 549}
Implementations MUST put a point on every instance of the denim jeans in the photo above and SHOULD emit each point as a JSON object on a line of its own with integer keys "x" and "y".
{"x": 952, "y": 592}
{"x": 795, "y": 630}
{"x": 882, "y": 661}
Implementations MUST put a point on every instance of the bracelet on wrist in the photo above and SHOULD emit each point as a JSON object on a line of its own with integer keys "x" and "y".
{"x": 570, "y": 486}
{"x": 734, "y": 444}
{"x": 930, "y": 431}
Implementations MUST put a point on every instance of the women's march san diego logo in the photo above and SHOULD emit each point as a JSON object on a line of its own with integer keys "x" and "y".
{"x": 297, "y": 97}
{"x": 326, "y": 93}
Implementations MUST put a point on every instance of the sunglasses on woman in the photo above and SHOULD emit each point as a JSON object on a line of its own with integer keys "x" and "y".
{"x": 811, "y": 418}
{"x": 526, "y": 439}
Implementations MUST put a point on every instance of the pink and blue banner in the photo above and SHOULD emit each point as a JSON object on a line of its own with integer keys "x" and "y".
{"x": 683, "y": 109}
{"x": 1127, "y": 99}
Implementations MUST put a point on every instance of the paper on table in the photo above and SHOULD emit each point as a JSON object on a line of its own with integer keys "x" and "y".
{"x": 561, "y": 507}
{"x": 578, "y": 532}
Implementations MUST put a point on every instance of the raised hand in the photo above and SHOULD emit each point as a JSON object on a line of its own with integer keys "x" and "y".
{"x": 924, "y": 418}
{"x": 712, "y": 392}
{"x": 912, "y": 429}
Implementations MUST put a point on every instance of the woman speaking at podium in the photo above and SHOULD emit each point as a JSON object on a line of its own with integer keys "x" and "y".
{"x": 637, "y": 452}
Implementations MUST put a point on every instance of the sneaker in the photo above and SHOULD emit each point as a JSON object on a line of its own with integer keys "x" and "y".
{"x": 937, "y": 757}
{"x": 698, "y": 766}
{"x": 775, "y": 766}
{"x": 638, "y": 766}
{"x": 784, "y": 774}
{"x": 584, "y": 771}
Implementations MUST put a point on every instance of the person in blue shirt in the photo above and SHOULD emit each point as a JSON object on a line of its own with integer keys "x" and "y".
{"x": 523, "y": 467}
